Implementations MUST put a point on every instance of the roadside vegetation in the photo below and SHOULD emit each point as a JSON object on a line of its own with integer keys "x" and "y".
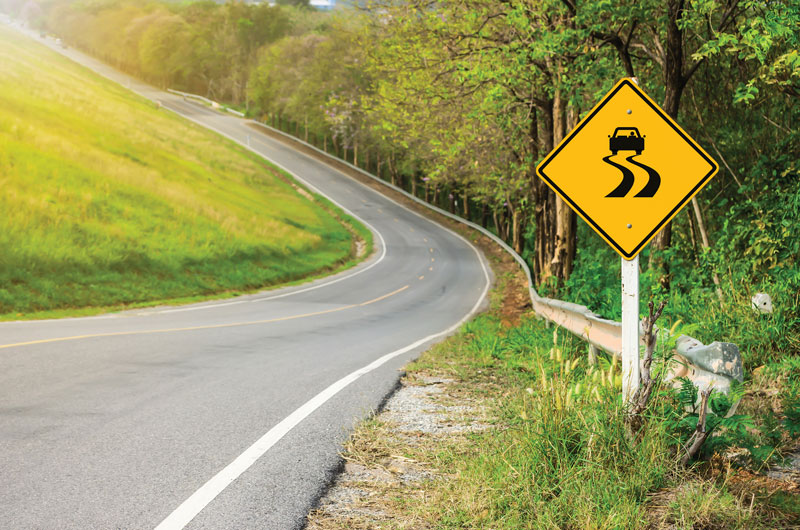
{"x": 108, "y": 201}
{"x": 544, "y": 444}
{"x": 457, "y": 102}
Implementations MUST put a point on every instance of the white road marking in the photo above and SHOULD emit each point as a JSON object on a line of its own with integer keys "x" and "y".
{"x": 201, "y": 498}
{"x": 182, "y": 515}
{"x": 251, "y": 300}
{"x": 279, "y": 166}
{"x": 313, "y": 189}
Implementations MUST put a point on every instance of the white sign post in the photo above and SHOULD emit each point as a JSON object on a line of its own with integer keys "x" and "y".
{"x": 630, "y": 328}
{"x": 627, "y": 168}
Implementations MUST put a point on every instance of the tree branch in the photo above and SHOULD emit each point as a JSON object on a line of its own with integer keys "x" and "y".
{"x": 700, "y": 434}
{"x": 641, "y": 399}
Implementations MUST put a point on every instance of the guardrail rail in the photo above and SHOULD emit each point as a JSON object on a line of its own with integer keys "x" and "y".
{"x": 714, "y": 365}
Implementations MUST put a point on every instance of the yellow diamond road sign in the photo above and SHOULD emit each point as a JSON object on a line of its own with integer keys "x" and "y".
{"x": 627, "y": 168}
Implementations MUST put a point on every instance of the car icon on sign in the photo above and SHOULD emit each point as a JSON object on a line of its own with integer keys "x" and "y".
{"x": 626, "y": 139}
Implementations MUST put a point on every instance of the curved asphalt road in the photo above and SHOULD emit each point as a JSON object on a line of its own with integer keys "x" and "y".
{"x": 115, "y": 421}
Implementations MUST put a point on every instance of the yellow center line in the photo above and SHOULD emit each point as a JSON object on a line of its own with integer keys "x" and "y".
{"x": 196, "y": 328}
{"x": 400, "y": 290}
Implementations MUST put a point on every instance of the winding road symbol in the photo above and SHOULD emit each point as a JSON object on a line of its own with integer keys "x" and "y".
{"x": 605, "y": 184}
{"x": 622, "y": 140}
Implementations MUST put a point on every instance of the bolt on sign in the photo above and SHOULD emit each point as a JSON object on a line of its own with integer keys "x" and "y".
{"x": 627, "y": 168}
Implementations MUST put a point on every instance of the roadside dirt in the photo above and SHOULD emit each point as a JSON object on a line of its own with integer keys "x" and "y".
{"x": 379, "y": 480}
{"x": 516, "y": 300}
{"x": 391, "y": 463}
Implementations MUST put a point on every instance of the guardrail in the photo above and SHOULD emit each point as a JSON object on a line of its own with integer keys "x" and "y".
{"x": 715, "y": 365}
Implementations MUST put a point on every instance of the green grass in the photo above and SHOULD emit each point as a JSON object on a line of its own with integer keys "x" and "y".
{"x": 108, "y": 201}
{"x": 560, "y": 455}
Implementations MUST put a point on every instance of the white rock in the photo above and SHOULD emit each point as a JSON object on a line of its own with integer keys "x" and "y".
{"x": 762, "y": 302}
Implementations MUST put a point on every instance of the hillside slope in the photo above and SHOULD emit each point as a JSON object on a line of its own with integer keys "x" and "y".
{"x": 107, "y": 200}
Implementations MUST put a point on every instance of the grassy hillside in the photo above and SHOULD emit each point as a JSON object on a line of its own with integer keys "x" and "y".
{"x": 107, "y": 200}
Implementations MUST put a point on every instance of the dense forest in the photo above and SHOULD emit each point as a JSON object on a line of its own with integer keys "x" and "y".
{"x": 458, "y": 101}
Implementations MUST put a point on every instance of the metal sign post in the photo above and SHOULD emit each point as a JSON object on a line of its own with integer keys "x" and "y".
{"x": 630, "y": 328}
{"x": 627, "y": 169}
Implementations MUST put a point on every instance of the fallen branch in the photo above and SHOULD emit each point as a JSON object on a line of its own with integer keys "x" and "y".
{"x": 641, "y": 398}
{"x": 700, "y": 433}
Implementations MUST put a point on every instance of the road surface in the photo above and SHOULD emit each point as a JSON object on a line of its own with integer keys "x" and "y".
{"x": 224, "y": 414}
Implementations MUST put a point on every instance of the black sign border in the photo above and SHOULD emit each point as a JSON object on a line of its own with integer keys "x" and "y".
{"x": 672, "y": 213}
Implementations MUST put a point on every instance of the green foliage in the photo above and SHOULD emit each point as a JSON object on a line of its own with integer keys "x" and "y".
{"x": 791, "y": 411}
{"x": 764, "y": 437}
{"x": 768, "y": 39}
{"x": 462, "y": 99}
{"x": 108, "y": 201}
{"x": 201, "y": 47}
{"x": 560, "y": 455}
{"x": 563, "y": 457}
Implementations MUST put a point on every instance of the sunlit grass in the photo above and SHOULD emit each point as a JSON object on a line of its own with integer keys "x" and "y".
{"x": 107, "y": 200}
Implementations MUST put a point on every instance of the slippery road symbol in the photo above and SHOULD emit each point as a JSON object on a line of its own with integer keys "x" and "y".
{"x": 629, "y": 139}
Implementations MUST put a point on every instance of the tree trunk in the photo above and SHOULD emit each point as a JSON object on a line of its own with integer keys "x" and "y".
{"x": 543, "y": 196}
{"x": 564, "y": 253}
{"x": 693, "y": 238}
{"x": 701, "y": 225}
{"x": 500, "y": 225}
{"x": 517, "y": 241}
{"x": 674, "y": 82}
